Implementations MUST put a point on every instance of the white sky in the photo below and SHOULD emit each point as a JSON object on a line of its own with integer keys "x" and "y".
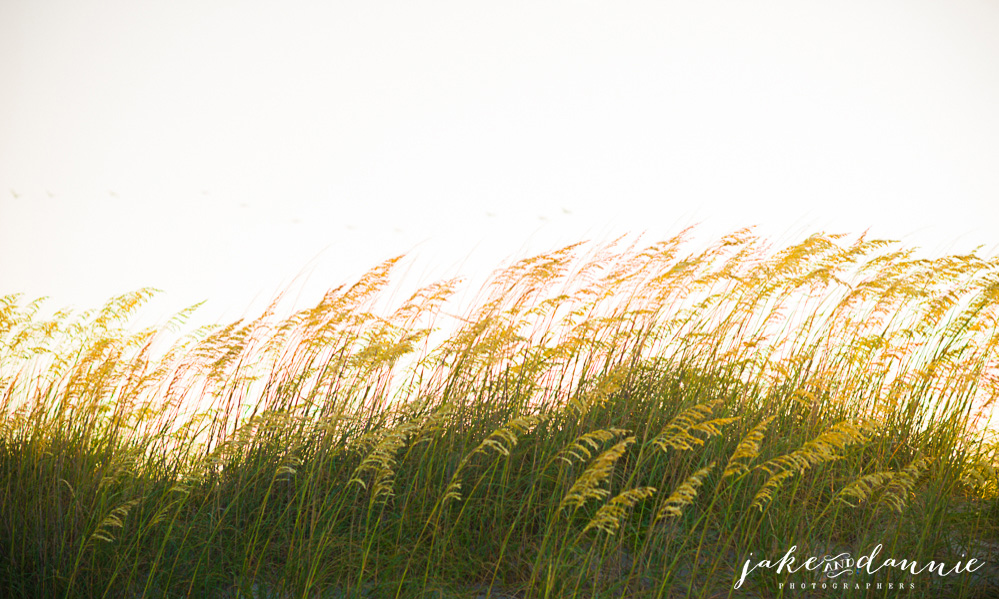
{"x": 213, "y": 149}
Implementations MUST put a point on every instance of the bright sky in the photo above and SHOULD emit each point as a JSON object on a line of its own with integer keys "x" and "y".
{"x": 218, "y": 149}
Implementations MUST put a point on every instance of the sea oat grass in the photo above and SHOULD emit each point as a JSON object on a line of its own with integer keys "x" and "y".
{"x": 615, "y": 420}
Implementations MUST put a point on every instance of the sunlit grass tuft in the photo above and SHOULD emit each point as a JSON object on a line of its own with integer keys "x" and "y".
{"x": 560, "y": 437}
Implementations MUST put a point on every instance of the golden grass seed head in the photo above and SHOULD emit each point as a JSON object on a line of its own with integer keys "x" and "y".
{"x": 863, "y": 487}
{"x": 899, "y": 489}
{"x": 684, "y": 494}
{"x": 586, "y": 486}
{"x": 747, "y": 450}
{"x": 581, "y": 449}
{"x": 114, "y": 519}
{"x": 608, "y": 517}
{"x": 766, "y": 493}
{"x": 677, "y": 434}
{"x": 503, "y": 439}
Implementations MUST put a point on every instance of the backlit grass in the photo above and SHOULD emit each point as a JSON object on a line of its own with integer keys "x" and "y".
{"x": 604, "y": 421}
